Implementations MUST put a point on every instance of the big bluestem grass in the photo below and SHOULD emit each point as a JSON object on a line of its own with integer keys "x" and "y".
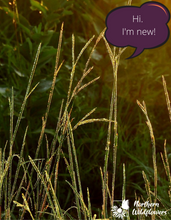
{"x": 47, "y": 175}
{"x": 152, "y": 194}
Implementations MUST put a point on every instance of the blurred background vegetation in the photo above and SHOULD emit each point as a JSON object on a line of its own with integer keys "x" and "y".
{"x": 23, "y": 25}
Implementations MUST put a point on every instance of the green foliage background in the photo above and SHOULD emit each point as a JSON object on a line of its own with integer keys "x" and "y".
{"x": 24, "y": 24}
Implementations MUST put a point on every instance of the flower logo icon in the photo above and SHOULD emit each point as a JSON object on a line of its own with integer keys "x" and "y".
{"x": 121, "y": 212}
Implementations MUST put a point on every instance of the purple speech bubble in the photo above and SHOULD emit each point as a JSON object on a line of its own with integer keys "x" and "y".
{"x": 141, "y": 27}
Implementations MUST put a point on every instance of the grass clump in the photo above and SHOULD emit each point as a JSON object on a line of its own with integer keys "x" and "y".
{"x": 47, "y": 171}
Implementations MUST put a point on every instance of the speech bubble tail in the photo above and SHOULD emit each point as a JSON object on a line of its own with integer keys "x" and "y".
{"x": 137, "y": 52}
